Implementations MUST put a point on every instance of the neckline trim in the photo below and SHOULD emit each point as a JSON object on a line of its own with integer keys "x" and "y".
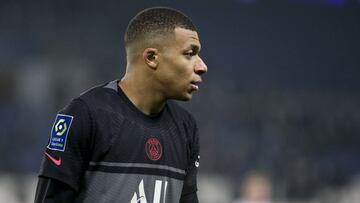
{"x": 154, "y": 117}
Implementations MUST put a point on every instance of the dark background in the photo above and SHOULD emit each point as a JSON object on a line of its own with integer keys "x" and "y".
{"x": 281, "y": 95}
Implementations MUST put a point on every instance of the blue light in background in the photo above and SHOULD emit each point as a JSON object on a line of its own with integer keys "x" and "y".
{"x": 337, "y": 2}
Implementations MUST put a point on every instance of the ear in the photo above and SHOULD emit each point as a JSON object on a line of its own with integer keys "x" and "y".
{"x": 150, "y": 56}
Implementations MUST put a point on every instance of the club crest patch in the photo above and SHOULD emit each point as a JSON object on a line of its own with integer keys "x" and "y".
{"x": 59, "y": 132}
{"x": 153, "y": 149}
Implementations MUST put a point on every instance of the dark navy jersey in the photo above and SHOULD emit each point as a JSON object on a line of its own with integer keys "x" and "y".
{"x": 107, "y": 150}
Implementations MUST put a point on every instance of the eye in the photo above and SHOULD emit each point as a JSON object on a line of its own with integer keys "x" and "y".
{"x": 190, "y": 54}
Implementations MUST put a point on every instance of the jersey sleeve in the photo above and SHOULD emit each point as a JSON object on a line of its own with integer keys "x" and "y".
{"x": 189, "y": 192}
{"x": 66, "y": 156}
{"x": 53, "y": 191}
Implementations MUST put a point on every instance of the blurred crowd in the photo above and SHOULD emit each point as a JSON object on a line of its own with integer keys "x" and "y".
{"x": 260, "y": 142}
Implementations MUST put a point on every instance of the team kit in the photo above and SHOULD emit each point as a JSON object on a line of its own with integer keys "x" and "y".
{"x": 146, "y": 158}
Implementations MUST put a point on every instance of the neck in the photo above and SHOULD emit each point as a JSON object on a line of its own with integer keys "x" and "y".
{"x": 141, "y": 94}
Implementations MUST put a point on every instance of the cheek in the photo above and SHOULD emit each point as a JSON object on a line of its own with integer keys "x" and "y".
{"x": 182, "y": 77}
{"x": 184, "y": 69}
{"x": 177, "y": 71}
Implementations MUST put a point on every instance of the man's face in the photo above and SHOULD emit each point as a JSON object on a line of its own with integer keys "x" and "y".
{"x": 180, "y": 66}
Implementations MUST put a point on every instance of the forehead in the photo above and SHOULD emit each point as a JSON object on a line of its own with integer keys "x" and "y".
{"x": 185, "y": 38}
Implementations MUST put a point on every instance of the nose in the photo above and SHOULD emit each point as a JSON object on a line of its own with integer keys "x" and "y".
{"x": 200, "y": 67}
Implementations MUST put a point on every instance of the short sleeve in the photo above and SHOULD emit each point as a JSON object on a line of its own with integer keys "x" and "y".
{"x": 67, "y": 154}
{"x": 190, "y": 182}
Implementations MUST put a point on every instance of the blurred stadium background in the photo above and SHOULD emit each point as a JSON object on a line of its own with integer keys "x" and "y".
{"x": 279, "y": 111}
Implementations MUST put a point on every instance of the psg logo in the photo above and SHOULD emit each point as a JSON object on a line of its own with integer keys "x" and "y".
{"x": 153, "y": 149}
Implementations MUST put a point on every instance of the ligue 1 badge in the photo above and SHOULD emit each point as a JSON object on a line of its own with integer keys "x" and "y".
{"x": 153, "y": 149}
{"x": 59, "y": 132}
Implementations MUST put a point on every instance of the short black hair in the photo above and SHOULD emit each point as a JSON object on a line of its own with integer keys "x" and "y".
{"x": 156, "y": 20}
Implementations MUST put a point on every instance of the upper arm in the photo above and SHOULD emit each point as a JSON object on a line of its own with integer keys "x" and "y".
{"x": 67, "y": 154}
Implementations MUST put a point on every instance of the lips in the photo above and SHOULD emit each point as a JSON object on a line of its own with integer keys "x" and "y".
{"x": 195, "y": 85}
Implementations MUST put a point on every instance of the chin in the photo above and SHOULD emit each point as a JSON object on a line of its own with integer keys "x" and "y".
{"x": 187, "y": 97}
{"x": 184, "y": 97}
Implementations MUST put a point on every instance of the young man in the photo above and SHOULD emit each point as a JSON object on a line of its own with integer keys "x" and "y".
{"x": 124, "y": 141}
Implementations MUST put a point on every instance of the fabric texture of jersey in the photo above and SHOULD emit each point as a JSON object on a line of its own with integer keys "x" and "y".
{"x": 116, "y": 153}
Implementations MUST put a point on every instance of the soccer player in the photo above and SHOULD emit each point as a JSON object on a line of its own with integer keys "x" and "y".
{"x": 126, "y": 141}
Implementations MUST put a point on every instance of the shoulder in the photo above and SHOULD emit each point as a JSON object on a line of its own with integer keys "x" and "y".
{"x": 93, "y": 99}
{"x": 100, "y": 96}
{"x": 99, "y": 91}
